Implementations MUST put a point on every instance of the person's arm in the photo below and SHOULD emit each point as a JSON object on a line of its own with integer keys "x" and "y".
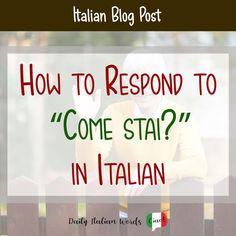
{"x": 87, "y": 106}
{"x": 88, "y": 150}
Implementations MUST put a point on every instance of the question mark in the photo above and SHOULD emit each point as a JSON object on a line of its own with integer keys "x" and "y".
{"x": 172, "y": 121}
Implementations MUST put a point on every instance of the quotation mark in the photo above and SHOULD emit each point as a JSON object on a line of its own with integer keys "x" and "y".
{"x": 55, "y": 116}
{"x": 182, "y": 115}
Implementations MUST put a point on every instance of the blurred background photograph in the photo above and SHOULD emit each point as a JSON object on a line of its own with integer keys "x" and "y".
{"x": 36, "y": 157}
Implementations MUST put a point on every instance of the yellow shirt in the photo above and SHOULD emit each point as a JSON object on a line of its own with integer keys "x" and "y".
{"x": 182, "y": 154}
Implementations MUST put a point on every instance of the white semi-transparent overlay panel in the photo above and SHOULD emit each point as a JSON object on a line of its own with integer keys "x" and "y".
{"x": 117, "y": 124}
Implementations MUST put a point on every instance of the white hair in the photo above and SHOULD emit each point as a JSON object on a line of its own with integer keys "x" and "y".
{"x": 147, "y": 62}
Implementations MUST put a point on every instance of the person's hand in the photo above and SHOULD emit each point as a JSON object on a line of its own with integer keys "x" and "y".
{"x": 85, "y": 105}
{"x": 135, "y": 190}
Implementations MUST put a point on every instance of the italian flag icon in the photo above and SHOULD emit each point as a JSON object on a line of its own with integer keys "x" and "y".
{"x": 156, "y": 220}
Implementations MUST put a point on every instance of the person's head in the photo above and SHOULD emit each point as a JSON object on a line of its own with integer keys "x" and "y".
{"x": 149, "y": 63}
